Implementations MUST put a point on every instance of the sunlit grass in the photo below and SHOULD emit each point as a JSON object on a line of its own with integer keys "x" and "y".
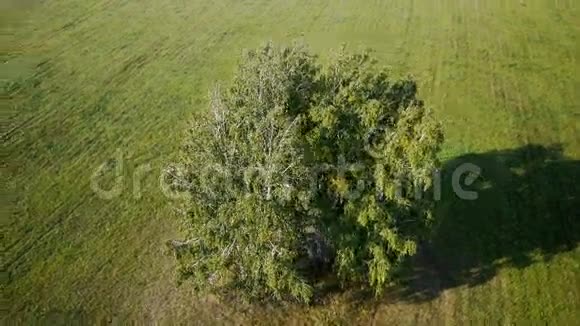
{"x": 89, "y": 78}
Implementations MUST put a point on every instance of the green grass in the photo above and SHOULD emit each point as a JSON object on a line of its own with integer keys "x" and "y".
{"x": 89, "y": 78}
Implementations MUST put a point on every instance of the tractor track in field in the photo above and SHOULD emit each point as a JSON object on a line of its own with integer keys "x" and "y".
{"x": 59, "y": 216}
{"x": 6, "y": 136}
{"x": 406, "y": 31}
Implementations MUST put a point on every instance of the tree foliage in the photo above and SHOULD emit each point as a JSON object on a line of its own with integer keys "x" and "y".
{"x": 297, "y": 167}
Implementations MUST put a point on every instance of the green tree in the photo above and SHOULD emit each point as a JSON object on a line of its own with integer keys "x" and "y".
{"x": 298, "y": 165}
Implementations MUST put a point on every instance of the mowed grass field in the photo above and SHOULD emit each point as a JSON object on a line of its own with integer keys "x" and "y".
{"x": 86, "y": 80}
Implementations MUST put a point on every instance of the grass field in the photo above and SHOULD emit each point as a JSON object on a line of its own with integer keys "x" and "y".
{"x": 85, "y": 80}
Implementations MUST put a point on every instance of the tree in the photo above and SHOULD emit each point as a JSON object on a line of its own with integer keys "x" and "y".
{"x": 298, "y": 166}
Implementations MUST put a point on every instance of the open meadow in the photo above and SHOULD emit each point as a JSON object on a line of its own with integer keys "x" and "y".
{"x": 113, "y": 85}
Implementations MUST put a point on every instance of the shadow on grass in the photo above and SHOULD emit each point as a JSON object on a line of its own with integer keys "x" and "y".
{"x": 527, "y": 210}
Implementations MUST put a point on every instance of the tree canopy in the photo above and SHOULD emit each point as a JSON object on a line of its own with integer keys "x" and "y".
{"x": 299, "y": 167}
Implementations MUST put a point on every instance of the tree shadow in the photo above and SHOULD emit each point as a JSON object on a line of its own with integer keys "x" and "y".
{"x": 527, "y": 210}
